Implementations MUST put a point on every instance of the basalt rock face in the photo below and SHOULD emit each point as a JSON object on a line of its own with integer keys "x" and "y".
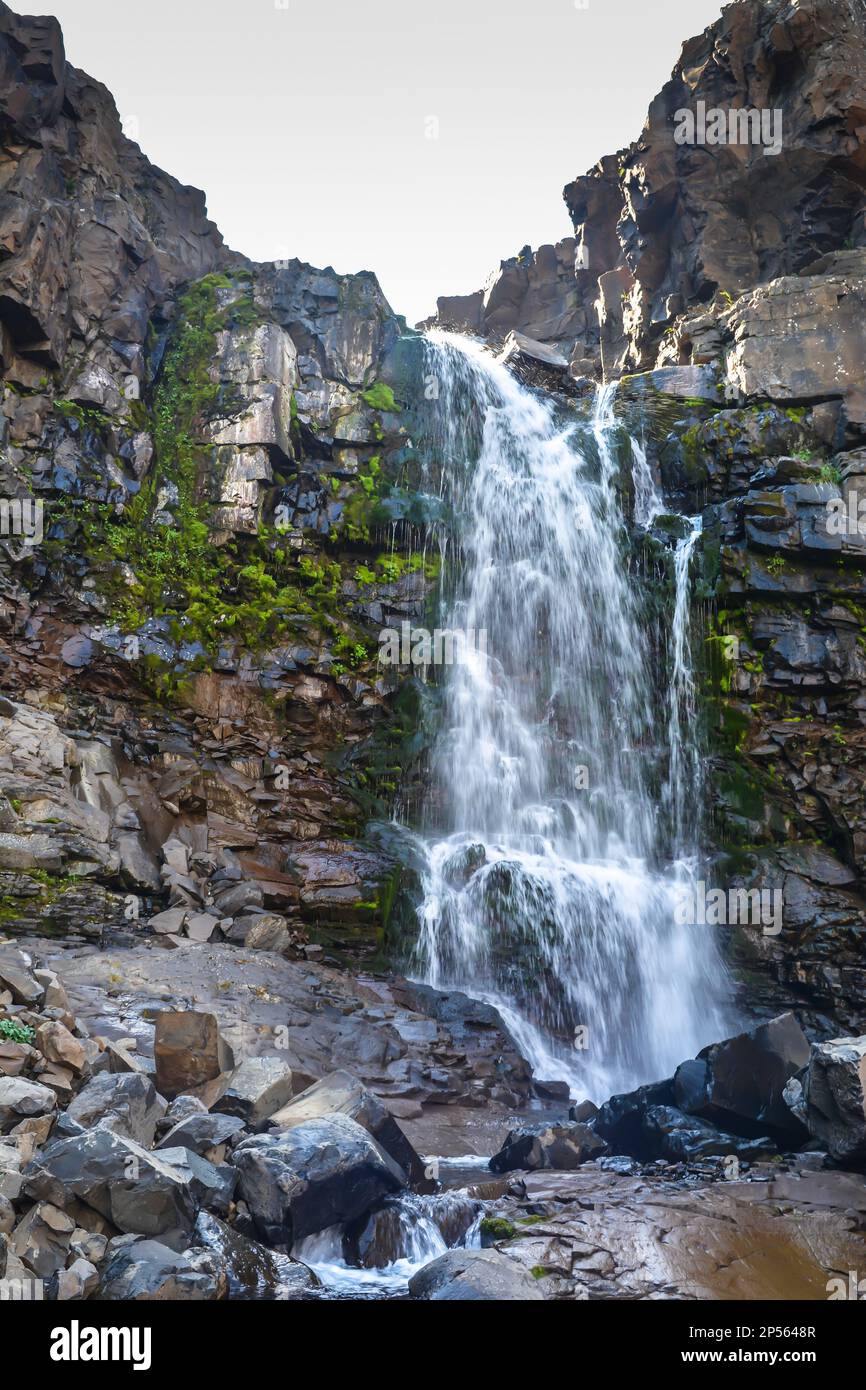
{"x": 534, "y": 293}
{"x": 668, "y": 231}
{"x": 209, "y": 488}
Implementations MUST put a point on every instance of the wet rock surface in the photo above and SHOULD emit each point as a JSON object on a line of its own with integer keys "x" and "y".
{"x": 109, "y": 1191}
{"x": 593, "y": 1234}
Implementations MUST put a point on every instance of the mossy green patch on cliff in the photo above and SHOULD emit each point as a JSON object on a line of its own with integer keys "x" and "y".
{"x": 380, "y": 397}
{"x": 254, "y": 587}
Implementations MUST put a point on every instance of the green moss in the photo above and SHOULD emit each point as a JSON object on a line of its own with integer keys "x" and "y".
{"x": 497, "y": 1228}
{"x": 253, "y": 586}
{"x": 380, "y": 397}
{"x": 84, "y": 414}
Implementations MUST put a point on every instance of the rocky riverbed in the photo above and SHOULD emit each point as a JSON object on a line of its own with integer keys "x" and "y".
{"x": 189, "y": 1122}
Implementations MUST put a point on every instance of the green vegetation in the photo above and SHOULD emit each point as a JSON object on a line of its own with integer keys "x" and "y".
{"x": 380, "y": 397}
{"x": 497, "y": 1228}
{"x": 10, "y": 1031}
{"x": 253, "y": 586}
{"x": 829, "y": 473}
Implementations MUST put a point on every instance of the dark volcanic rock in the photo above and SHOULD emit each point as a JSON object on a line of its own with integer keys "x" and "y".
{"x": 321, "y": 1173}
{"x": 251, "y": 1271}
{"x": 127, "y": 1104}
{"x": 137, "y": 1191}
{"x": 620, "y": 1119}
{"x": 560, "y": 1146}
{"x": 343, "y": 1094}
{"x": 680, "y": 1138}
{"x": 470, "y": 1276}
{"x": 201, "y": 1132}
{"x": 142, "y": 1271}
{"x": 741, "y": 1088}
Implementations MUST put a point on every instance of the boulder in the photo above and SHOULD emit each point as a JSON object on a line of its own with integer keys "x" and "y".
{"x": 17, "y": 976}
{"x": 41, "y": 1239}
{"x": 558, "y": 1146}
{"x": 20, "y": 1098}
{"x": 323, "y": 1172}
{"x": 202, "y": 1133}
{"x": 340, "y": 1093}
{"x": 475, "y": 1276}
{"x": 188, "y": 1051}
{"x": 258, "y": 1088}
{"x": 212, "y": 1185}
{"x": 135, "y": 1190}
{"x": 620, "y": 1119}
{"x": 250, "y": 1269}
{"x": 125, "y": 1102}
{"x": 55, "y": 994}
{"x": 834, "y": 1098}
{"x": 57, "y": 1044}
{"x": 270, "y": 932}
{"x": 669, "y": 1133}
{"x": 741, "y": 1083}
{"x": 179, "y": 1109}
{"x": 144, "y": 1271}
{"x": 77, "y": 1282}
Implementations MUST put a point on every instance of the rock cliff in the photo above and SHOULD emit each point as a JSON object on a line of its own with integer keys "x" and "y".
{"x": 224, "y": 492}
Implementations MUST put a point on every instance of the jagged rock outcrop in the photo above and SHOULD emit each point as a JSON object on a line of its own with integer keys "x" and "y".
{"x": 668, "y": 231}
{"x": 535, "y": 293}
{"x": 209, "y": 489}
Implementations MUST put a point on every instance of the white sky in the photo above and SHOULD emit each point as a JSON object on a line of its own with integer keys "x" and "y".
{"x": 308, "y": 122}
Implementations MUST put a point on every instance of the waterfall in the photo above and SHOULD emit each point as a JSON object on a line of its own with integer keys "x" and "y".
{"x": 549, "y": 885}
{"x": 682, "y": 789}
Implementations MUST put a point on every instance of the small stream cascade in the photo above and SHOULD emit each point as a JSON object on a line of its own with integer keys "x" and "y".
{"x": 567, "y": 783}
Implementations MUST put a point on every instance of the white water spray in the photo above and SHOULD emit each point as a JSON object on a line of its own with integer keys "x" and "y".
{"x": 551, "y": 884}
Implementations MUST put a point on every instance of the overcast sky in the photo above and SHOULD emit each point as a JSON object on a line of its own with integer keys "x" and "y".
{"x": 421, "y": 139}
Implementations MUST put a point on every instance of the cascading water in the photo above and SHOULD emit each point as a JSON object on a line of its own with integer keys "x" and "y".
{"x": 551, "y": 881}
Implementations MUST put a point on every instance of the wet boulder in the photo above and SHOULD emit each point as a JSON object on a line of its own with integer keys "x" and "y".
{"x": 124, "y": 1102}
{"x": 739, "y": 1084}
{"x": 203, "y": 1134}
{"x": 557, "y": 1146}
{"x": 474, "y": 1276}
{"x": 258, "y": 1087}
{"x": 340, "y": 1093}
{"x": 834, "y": 1098}
{"x": 671, "y": 1134}
{"x": 138, "y": 1191}
{"x": 20, "y": 1099}
{"x": 252, "y": 1271}
{"x": 144, "y": 1271}
{"x": 620, "y": 1119}
{"x": 211, "y": 1185}
{"x": 323, "y": 1172}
